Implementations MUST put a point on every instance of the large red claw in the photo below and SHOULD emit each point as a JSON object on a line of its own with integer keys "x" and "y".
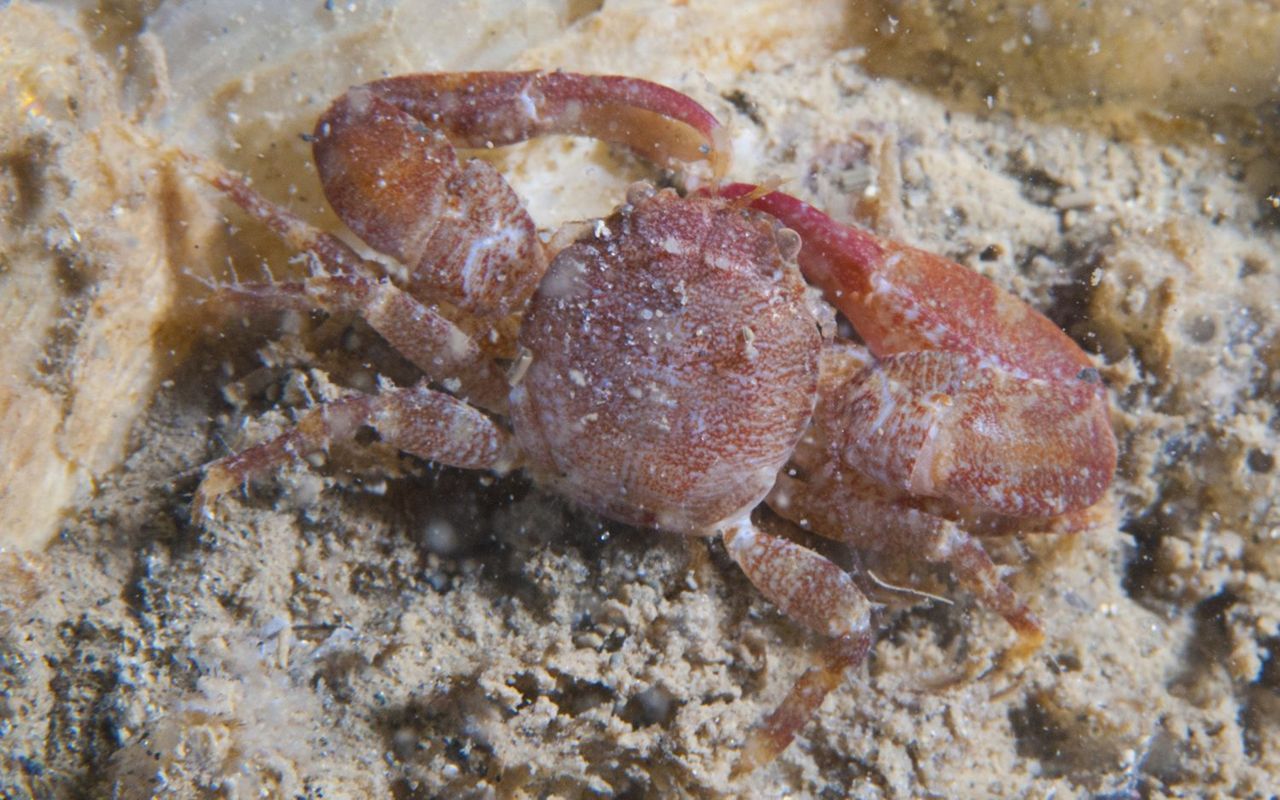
{"x": 903, "y": 299}
{"x": 944, "y": 424}
{"x": 977, "y": 397}
{"x": 478, "y": 109}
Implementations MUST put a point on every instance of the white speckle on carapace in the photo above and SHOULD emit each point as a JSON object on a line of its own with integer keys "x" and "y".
{"x": 682, "y": 293}
{"x": 564, "y": 280}
{"x": 673, "y": 246}
{"x": 717, "y": 261}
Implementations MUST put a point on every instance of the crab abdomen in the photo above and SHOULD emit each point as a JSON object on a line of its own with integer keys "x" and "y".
{"x": 674, "y": 364}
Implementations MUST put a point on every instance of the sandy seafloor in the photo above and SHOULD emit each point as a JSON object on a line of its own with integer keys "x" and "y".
{"x": 367, "y": 626}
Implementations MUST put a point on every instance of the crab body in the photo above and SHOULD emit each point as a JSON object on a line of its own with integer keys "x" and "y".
{"x": 672, "y": 368}
{"x": 674, "y": 365}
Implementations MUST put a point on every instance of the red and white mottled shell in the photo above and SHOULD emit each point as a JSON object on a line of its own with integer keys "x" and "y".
{"x": 945, "y": 424}
{"x": 674, "y": 364}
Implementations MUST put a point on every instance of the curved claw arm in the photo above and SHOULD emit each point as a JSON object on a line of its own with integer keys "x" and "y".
{"x": 902, "y": 299}
{"x": 479, "y": 109}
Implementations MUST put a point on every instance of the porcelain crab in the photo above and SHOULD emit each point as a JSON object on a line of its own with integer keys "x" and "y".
{"x": 667, "y": 366}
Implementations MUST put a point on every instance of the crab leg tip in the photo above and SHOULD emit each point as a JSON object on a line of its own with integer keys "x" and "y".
{"x": 1029, "y": 642}
{"x": 767, "y": 740}
{"x": 217, "y": 481}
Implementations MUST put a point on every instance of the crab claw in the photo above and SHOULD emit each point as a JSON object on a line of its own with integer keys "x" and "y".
{"x": 903, "y": 299}
{"x": 483, "y": 109}
{"x": 946, "y": 424}
{"x": 977, "y": 396}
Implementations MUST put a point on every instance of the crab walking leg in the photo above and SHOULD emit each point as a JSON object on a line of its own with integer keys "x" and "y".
{"x": 417, "y": 420}
{"x": 419, "y": 332}
{"x": 841, "y": 505}
{"x": 836, "y": 500}
{"x": 436, "y": 345}
{"x": 336, "y": 255}
{"x": 768, "y": 739}
{"x": 819, "y": 595}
